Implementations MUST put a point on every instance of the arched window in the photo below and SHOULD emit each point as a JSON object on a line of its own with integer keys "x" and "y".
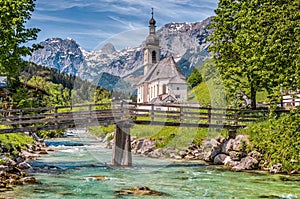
{"x": 153, "y": 57}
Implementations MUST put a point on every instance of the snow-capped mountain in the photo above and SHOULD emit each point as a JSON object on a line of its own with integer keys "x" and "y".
{"x": 185, "y": 41}
{"x": 64, "y": 55}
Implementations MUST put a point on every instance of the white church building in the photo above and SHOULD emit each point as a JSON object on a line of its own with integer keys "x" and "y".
{"x": 163, "y": 81}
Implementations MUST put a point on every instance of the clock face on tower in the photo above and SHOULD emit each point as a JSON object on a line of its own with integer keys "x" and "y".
{"x": 152, "y": 30}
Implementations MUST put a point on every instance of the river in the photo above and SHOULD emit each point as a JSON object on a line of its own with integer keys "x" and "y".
{"x": 67, "y": 173}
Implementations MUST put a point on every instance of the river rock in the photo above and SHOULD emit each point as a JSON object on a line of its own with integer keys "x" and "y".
{"x": 24, "y": 165}
{"x": 219, "y": 159}
{"x": 239, "y": 141}
{"x": 229, "y": 162}
{"x": 3, "y": 168}
{"x": 155, "y": 154}
{"x": 182, "y": 154}
{"x": 212, "y": 143}
{"x": 9, "y": 162}
{"x": 236, "y": 156}
{"x": 28, "y": 155}
{"x": 144, "y": 146}
{"x": 140, "y": 190}
{"x": 276, "y": 168}
{"x": 247, "y": 163}
{"x": 28, "y": 180}
{"x": 98, "y": 178}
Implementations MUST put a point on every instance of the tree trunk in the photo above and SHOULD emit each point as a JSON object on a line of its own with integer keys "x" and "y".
{"x": 253, "y": 96}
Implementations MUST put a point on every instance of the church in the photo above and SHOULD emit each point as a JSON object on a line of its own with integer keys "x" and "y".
{"x": 163, "y": 81}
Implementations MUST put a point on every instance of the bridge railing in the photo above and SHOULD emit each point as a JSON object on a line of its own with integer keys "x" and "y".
{"x": 32, "y": 119}
{"x": 183, "y": 114}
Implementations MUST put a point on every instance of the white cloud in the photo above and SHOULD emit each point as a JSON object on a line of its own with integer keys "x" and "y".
{"x": 99, "y": 19}
{"x": 43, "y": 17}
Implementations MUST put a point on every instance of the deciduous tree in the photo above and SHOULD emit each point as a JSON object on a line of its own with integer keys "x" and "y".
{"x": 195, "y": 78}
{"x": 256, "y": 45}
{"x": 14, "y": 35}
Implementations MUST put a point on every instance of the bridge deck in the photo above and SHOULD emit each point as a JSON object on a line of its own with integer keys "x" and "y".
{"x": 33, "y": 119}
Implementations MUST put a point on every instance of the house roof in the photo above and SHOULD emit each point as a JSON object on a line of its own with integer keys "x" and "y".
{"x": 164, "y": 69}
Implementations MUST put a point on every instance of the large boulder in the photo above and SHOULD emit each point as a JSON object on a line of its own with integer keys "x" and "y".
{"x": 229, "y": 162}
{"x": 220, "y": 159}
{"x": 240, "y": 142}
{"x": 248, "y": 163}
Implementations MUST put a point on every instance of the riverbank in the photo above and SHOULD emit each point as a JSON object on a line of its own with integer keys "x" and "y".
{"x": 232, "y": 153}
{"x": 80, "y": 168}
{"x": 16, "y": 151}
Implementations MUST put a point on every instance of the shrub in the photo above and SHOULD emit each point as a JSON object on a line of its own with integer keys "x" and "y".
{"x": 278, "y": 140}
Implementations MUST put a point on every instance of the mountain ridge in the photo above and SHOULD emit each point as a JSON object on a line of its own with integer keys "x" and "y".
{"x": 186, "y": 42}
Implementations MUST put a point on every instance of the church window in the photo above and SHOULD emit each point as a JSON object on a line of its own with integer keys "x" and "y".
{"x": 153, "y": 57}
{"x": 164, "y": 89}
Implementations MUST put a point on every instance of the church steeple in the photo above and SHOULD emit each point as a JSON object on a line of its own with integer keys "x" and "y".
{"x": 152, "y": 23}
{"x": 152, "y": 49}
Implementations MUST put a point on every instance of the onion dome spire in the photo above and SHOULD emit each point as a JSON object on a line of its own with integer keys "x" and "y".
{"x": 152, "y": 21}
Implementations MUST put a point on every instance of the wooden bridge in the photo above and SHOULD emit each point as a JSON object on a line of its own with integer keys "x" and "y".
{"x": 123, "y": 116}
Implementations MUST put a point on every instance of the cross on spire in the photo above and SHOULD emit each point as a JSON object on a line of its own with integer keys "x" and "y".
{"x": 152, "y": 12}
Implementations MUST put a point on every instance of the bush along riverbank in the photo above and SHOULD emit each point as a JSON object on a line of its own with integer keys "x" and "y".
{"x": 16, "y": 150}
{"x": 272, "y": 145}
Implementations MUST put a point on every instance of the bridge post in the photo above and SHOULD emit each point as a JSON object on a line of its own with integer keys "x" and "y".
{"x": 56, "y": 117}
{"x": 209, "y": 114}
{"x": 20, "y": 118}
{"x": 122, "y": 145}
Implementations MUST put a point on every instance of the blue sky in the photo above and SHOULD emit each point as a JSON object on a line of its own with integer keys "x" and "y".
{"x": 91, "y": 23}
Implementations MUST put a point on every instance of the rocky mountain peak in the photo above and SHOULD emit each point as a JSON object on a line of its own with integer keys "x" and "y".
{"x": 62, "y": 54}
{"x": 108, "y": 48}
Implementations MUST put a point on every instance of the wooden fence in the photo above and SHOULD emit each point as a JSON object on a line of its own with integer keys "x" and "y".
{"x": 33, "y": 119}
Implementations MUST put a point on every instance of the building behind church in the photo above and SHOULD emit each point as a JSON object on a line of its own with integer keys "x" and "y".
{"x": 163, "y": 81}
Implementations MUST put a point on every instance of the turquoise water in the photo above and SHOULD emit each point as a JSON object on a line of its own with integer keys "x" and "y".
{"x": 70, "y": 169}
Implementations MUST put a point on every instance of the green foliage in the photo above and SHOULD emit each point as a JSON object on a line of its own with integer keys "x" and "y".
{"x": 63, "y": 89}
{"x": 14, "y": 142}
{"x": 256, "y": 46}
{"x": 101, "y": 95}
{"x": 13, "y": 17}
{"x": 49, "y": 74}
{"x": 57, "y": 94}
{"x": 50, "y": 133}
{"x": 195, "y": 78}
{"x": 2, "y": 162}
{"x": 278, "y": 140}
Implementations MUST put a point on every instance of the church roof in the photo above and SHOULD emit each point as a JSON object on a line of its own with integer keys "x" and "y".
{"x": 164, "y": 69}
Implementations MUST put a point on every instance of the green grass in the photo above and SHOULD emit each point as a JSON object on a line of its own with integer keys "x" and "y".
{"x": 200, "y": 94}
{"x": 167, "y": 136}
{"x": 101, "y": 131}
{"x": 14, "y": 142}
